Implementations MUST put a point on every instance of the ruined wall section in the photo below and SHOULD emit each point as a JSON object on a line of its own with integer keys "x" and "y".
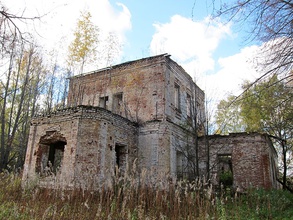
{"x": 184, "y": 99}
{"x": 252, "y": 156}
{"x": 64, "y": 123}
{"x": 253, "y": 159}
{"x": 140, "y": 85}
{"x": 153, "y": 152}
{"x": 182, "y": 157}
{"x": 96, "y": 155}
{"x": 89, "y": 157}
{"x": 159, "y": 145}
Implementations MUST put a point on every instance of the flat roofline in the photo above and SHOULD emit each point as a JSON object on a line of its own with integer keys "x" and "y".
{"x": 119, "y": 65}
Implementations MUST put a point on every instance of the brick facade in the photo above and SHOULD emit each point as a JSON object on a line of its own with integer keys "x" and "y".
{"x": 149, "y": 111}
{"x": 252, "y": 158}
{"x": 89, "y": 136}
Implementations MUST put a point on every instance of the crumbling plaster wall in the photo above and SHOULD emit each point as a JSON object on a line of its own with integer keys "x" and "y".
{"x": 147, "y": 86}
{"x": 98, "y": 135}
{"x": 176, "y": 75}
{"x": 64, "y": 124}
{"x": 159, "y": 144}
{"x": 140, "y": 82}
{"x": 253, "y": 159}
{"x": 183, "y": 141}
{"x": 89, "y": 155}
{"x": 154, "y": 147}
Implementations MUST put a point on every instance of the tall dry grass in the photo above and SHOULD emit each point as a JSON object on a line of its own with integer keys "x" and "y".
{"x": 128, "y": 198}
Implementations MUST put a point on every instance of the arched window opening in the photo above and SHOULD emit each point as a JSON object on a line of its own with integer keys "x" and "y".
{"x": 50, "y": 153}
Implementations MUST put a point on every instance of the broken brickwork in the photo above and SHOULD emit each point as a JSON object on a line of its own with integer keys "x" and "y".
{"x": 149, "y": 111}
{"x": 251, "y": 159}
{"x": 89, "y": 137}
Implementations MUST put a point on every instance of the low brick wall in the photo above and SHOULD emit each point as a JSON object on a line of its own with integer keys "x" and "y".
{"x": 253, "y": 159}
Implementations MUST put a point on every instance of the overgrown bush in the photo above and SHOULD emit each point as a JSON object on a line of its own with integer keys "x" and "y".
{"x": 226, "y": 178}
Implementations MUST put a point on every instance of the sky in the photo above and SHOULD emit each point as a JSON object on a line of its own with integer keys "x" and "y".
{"x": 213, "y": 52}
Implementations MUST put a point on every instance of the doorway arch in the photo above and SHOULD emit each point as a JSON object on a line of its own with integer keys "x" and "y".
{"x": 50, "y": 153}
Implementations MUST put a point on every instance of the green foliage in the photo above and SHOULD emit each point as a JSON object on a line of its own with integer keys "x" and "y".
{"x": 221, "y": 210}
{"x": 10, "y": 211}
{"x": 265, "y": 107}
{"x": 263, "y": 204}
{"x": 228, "y": 117}
{"x": 226, "y": 178}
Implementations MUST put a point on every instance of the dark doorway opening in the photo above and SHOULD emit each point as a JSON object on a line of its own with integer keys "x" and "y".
{"x": 56, "y": 152}
{"x": 120, "y": 157}
{"x": 225, "y": 170}
{"x": 50, "y": 153}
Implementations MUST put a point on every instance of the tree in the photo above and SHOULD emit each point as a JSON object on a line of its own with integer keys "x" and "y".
{"x": 109, "y": 48}
{"x": 83, "y": 49}
{"x": 19, "y": 94}
{"x": 186, "y": 145}
{"x": 269, "y": 22}
{"x": 10, "y": 32}
{"x": 267, "y": 107}
{"x": 55, "y": 86}
{"x": 228, "y": 117}
{"x": 19, "y": 87}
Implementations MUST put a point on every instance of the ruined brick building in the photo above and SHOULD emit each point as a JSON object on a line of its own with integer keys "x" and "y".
{"x": 149, "y": 112}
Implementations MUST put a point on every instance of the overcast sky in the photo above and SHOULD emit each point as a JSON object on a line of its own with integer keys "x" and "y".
{"x": 211, "y": 51}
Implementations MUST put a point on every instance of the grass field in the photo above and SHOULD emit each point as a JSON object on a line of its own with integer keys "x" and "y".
{"x": 135, "y": 201}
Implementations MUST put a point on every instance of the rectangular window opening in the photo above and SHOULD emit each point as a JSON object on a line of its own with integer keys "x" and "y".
{"x": 103, "y": 102}
{"x": 177, "y": 96}
{"x": 117, "y": 103}
{"x": 225, "y": 170}
{"x": 120, "y": 157}
{"x": 179, "y": 164}
{"x": 188, "y": 105}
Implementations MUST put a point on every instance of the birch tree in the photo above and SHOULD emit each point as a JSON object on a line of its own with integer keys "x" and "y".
{"x": 20, "y": 92}
{"x": 83, "y": 49}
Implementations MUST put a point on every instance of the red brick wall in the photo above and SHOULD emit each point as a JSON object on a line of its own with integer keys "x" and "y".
{"x": 252, "y": 155}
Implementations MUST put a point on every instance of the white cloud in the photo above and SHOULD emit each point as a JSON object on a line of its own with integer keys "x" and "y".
{"x": 110, "y": 19}
{"x": 193, "y": 43}
{"x": 189, "y": 41}
{"x": 55, "y": 29}
{"x": 232, "y": 73}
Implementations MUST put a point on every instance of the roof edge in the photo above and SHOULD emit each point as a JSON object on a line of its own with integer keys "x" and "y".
{"x": 120, "y": 65}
